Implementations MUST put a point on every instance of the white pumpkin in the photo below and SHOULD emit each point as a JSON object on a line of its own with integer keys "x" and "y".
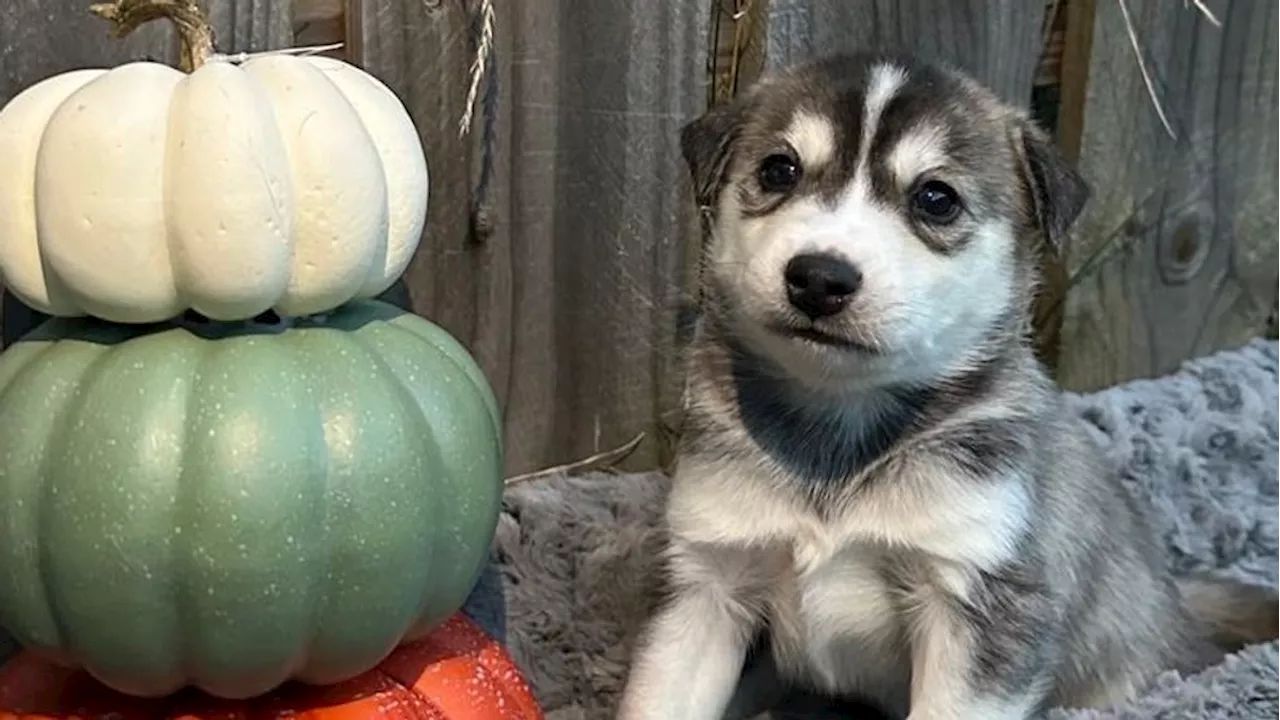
{"x": 284, "y": 183}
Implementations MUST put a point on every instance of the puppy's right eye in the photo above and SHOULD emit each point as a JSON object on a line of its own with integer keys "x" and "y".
{"x": 778, "y": 174}
{"x": 936, "y": 202}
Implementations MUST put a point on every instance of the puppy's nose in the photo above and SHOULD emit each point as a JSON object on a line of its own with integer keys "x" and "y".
{"x": 819, "y": 284}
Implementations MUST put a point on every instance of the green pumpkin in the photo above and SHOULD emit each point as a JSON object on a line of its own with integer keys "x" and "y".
{"x": 232, "y": 507}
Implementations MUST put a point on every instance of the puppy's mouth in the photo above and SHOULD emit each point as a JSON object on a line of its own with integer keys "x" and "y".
{"x": 818, "y": 336}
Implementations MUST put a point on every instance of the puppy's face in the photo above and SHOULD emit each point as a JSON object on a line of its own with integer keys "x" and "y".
{"x": 872, "y": 219}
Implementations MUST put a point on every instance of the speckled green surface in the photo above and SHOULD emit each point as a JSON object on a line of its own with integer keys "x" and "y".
{"x": 238, "y": 507}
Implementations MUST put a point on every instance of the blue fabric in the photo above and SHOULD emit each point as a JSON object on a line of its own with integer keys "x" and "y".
{"x": 8, "y": 647}
{"x": 487, "y": 604}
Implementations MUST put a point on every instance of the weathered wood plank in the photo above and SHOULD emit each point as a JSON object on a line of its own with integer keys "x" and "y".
{"x": 1178, "y": 247}
{"x": 606, "y": 217}
{"x": 251, "y": 25}
{"x": 739, "y": 39}
{"x": 320, "y": 22}
{"x": 1076, "y": 53}
{"x": 998, "y": 41}
{"x": 40, "y": 38}
{"x": 308, "y": 11}
{"x": 565, "y": 289}
{"x": 1076, "y": 20}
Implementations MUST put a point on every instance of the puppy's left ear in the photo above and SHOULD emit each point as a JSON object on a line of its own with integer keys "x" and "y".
{"x": 1055, "y": 192}
{"x": 707, "y": 144}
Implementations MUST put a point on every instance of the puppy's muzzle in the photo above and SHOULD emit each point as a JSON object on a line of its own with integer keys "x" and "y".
{"x": 820, "y": 284}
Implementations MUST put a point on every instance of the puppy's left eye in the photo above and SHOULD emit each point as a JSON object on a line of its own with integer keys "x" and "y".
{"x": 778, "y": 174}
{"x": 936, "y": 202}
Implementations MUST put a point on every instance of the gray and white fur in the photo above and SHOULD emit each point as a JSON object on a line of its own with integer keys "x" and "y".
{"x": 876, "y": 474}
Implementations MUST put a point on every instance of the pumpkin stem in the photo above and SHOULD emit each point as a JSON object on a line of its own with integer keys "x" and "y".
{"x": 194, "y": 29}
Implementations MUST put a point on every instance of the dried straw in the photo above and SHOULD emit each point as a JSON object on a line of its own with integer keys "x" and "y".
{"x": 606, "y": 461}
{"x": 1142, "y": 62}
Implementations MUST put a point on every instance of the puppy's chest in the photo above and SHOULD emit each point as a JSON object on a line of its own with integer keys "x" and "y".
{"x": 840, "y": 624}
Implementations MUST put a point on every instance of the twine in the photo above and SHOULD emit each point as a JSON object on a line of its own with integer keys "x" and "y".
{"x": 479, "y": 65}
{"x": 482, "y": 73}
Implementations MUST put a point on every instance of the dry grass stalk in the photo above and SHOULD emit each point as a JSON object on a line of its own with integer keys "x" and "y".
{"x": 1204, "y": 10}
{"x": 1147, "y": 80}
{"x": 606, "y": 461}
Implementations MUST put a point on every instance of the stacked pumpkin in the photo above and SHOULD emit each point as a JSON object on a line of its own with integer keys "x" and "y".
{"x": 227, "y": 472}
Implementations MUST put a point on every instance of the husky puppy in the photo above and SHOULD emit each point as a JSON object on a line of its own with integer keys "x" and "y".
{"x": 876, "y": 474}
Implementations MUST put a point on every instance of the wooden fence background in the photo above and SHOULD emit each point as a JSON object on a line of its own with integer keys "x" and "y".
{"x": 559, "y": 240}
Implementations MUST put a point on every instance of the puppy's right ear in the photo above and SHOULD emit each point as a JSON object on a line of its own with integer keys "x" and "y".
{"x": 706, "y": 144}
{"x": 1056, "y": 193}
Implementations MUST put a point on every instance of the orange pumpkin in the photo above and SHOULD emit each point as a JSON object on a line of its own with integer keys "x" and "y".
{"x": 456, "y": 673}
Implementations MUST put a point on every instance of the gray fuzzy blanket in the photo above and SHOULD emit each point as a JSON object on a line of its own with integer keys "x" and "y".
{"x": 1198, "y": 447}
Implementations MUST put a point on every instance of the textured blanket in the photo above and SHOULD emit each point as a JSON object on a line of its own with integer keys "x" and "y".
{"x": 1197, "y": 447}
